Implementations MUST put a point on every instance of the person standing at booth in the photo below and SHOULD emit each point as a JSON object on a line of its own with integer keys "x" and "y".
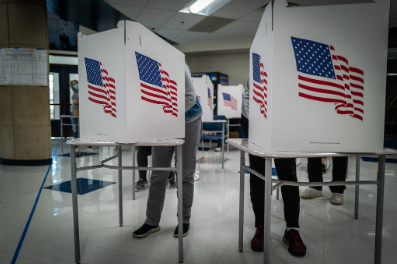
{"x": 339, "y": 171}
{"x": 286, "y": 171}
{"x": 162, "y": 158}
{"x": 74, "y": 85}
{"x": 143, "y": 154}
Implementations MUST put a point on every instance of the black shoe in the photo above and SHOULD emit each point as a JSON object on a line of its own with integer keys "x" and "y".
{"x": 323, "y": 168}
{"x": 186, "y": 228}
{"x": 145, "y": 230}
{"x": 141, "y": 185}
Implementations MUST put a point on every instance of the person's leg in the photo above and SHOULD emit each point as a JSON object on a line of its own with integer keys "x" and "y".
{"x": 339, "y": 171}
{"x": 142, "y": 160}
{"x": 257, "y": 186}
{"x": 161, "y": 157}
{"x": 286, "y": 171}
{"x": 189, "y": 151}
{"x": 314, "y": 171}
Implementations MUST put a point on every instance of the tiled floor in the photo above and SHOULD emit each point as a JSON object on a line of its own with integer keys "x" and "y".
{"x": 330, "y": 232}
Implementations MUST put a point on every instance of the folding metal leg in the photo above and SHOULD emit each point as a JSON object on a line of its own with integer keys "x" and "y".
{"x": 120, "y": 186}
{"x": 357, "y": 188}
{"x": 178, "y": 163}
{"x": 223, "y": 144}
{"x": 133, "y": 172}
{"x": 379, "y": 209}
{"x": 241, "y": 202}
{"x": 75, "y": 205}
{"x": 62, "y": 135}
{"x": 267, "y": 210}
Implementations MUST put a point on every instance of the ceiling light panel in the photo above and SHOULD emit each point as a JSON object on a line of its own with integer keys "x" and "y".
{"x": 204, "y": 7}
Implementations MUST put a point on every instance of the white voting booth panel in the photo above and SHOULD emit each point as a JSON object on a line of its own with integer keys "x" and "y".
{"x": 132, "y": 86}
{"x": 318, "y": 77}
{"x": 229, "y": 100}
{"x": 205, "y": 92}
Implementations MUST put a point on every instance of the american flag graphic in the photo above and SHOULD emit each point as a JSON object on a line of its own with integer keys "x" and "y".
{"x": 210, "y": 99}
{"x": 156, "y": 85}
{"x": 325, "y": 76}
{"x": 199, "y": 98}
{"x": 101, "y": 87}
{"x": 229, "y": 101}
{"x": 260, "y": 83}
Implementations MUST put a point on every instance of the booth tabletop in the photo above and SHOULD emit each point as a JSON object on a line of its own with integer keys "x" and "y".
{"x": 156, "y": 143}
{"x": 256, "y": 150}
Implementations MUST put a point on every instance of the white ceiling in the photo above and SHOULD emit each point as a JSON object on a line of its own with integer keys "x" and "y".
{"x": 163, "y": 17}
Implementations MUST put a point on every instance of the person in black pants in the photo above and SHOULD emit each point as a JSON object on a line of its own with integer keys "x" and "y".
{"x": 286, "y": 170}
{"x": 339, "y": 171}
{"x": 142, "y": 159}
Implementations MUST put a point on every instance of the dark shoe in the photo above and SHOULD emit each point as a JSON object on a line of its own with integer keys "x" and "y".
{"x": 257, "y": 240}
{"x": 171, "y": 180}
{"x": 145, "y": 230}
{"x": 294, "y": 241}
{"x": 141, "y": 185}
{"x": 324, "y": 170}
{"x": 186, "y": 228}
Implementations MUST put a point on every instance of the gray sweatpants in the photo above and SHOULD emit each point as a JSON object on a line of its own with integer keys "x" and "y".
{"x": 161, "y": 157}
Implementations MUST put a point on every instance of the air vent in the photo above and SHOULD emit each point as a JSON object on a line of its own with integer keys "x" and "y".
{"x": 211, "y": 24}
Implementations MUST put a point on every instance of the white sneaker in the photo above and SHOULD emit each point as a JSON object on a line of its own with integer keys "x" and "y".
{"x": 337, "y": 199}
{"x": 218, "y": 149}
{"x": 311, "y": 193}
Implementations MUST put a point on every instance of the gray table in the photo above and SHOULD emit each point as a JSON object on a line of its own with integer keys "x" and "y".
{"x": 244, "y": 146}
{"x": 177, "y": 143}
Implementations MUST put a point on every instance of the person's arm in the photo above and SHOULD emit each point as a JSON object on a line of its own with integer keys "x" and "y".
{"x": 190, "y": 94}
{"x": 75, "y": 102}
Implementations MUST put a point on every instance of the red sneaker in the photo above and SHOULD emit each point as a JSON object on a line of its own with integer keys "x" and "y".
{"x": 257, "y": 240}
{"x": 295, "y": 243}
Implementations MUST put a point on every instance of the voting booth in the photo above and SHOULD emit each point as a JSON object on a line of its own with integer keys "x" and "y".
{"x": 229, "y": 100}
{"x": 318, "y": 77}
{"x": 205, "y": 93}
{"x": 132, "y": 86}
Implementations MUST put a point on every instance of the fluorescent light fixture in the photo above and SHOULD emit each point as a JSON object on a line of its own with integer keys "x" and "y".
{"x": 203, "y": 7}
{"x": 199, "y": 5}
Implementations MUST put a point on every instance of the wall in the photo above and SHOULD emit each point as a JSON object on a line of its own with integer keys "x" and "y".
{"x": 233, "y": 63}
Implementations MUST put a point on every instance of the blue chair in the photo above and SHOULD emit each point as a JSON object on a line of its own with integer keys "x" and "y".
{"x": 220, "y": 131}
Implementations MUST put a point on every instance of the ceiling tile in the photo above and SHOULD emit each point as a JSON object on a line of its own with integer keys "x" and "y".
{"x": 237, "y": 27}
{"x": 327, "y": 2}
{"x": 139, "y": 3}
{"x": 255, "y": 16}
{"x": 239, "y": 8}
{"x": 190, "y": 36}
{"x": 170, "y": 33}
{"x": 130, "y": 11}
{"x": 189, "y": 20}
{"x": 154, "y": 18}
{"x": 214, "y": 36}
{"x": 174, "y": 5}
{"x": 249, "y": 33}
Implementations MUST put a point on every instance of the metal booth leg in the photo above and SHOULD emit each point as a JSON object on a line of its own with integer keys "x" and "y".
{"x": 379, "y": 209}
{"x": 178, "y": 164}
{"x": 241, "y": 202}
{"x": 267, "y": 210}
{"x": 133, "y": 172}
{"x": 228, "y": 136}
{"x": 278, "y": 193}
{"x": 120, "y": 187}
{"x": 61, "y": 136}
{"x": 357, "y": 188}
{"x": 75, "y": 205}
{"x": 223, "y": 144}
